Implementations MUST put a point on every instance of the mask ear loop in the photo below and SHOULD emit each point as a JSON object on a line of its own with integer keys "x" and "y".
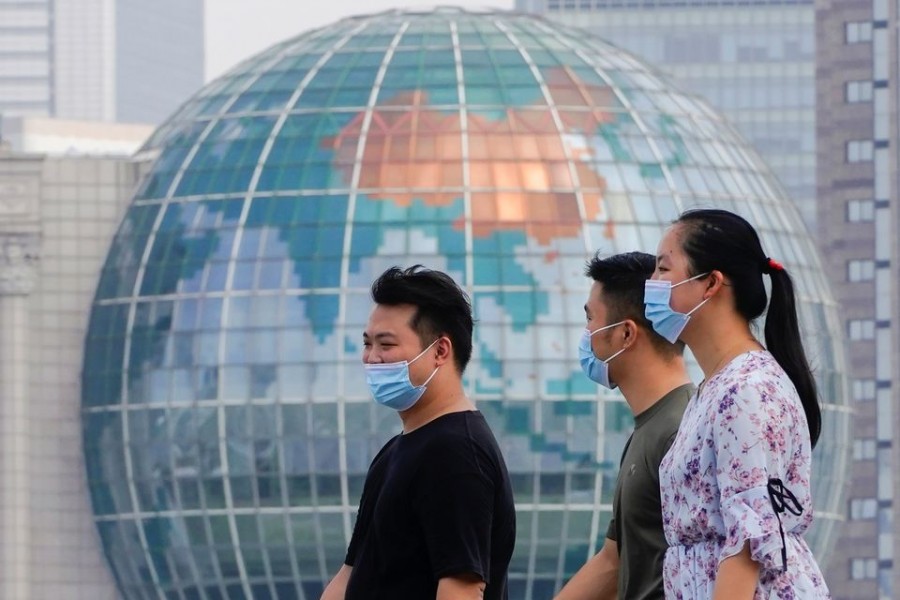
{"x": 430, "y": 377}
{"x": 616, "y": 354}
{"x": 433, "y": 373}
{"x": 419, "y": 355}
{"x": 693, "y": 310}
{"x": 604, "y": 328}
{"x": 675, "y": 285}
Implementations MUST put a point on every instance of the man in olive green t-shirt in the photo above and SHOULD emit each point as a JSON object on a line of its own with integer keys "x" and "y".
{"x": 620, "y": 349}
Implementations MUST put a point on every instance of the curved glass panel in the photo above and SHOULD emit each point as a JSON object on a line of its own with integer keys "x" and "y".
{"x": 227, "y": 424}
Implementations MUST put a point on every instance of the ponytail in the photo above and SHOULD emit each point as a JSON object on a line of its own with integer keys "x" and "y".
{"x": 782, "y": 333}
{"x": 715, "y": 239}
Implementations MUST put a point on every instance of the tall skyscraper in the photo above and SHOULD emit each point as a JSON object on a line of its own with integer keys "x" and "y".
{"x": 26, "y": 58}
{"x": 100, "y": 60}
{"x": 857, "y": 194}
{"x": 754, "y": 61}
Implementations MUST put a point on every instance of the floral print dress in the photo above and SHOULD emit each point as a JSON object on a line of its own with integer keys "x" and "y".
{"x": 743, "y": 428}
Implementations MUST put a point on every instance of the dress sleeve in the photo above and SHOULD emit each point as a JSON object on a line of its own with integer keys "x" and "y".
{"x": 454, "y": 504}
{"x": 752, "y": 441}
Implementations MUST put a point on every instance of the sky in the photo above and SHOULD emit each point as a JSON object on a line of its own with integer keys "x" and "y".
{"x": 238, "y": 29}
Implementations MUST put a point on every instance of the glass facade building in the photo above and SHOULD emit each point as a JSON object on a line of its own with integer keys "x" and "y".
{"x": 754, "y": 61}
{"x": 26, "y": 58}
{"x": 100, "y": 60}
{"x": 227, "y": 424}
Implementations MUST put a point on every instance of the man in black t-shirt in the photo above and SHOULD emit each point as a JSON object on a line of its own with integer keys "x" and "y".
{"x": 621, "y": 349}
{"x": 436, "y": 518}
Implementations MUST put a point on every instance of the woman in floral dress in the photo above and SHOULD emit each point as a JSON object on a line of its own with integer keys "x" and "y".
{"x": 735, "y": 484}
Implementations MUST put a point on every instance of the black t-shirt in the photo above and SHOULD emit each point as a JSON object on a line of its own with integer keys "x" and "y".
{"x": 437, "y": 502}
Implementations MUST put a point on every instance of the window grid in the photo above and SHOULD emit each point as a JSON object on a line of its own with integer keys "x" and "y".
{"x": 863, "y": 568}
{"x": 863, "y": 389}
{"x": 860, "y": 270}
{"x": 857, "y": 31}
{"x": 859, "y": 211}
{"x": 863, "y": 508}
{"x": 861, "y": 329}
{"x": 864, "y": 449}
{"x": 859, "y": 151}
{"x": 858, "y": 91}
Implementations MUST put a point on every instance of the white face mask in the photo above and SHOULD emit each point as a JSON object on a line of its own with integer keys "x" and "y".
{"x": 390, "y": 384}
{"x": 597, "y": 370}
{"x": 658, "y": 309}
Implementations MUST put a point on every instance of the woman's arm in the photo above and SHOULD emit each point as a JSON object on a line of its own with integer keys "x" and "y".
{"x": 737, "y": 576}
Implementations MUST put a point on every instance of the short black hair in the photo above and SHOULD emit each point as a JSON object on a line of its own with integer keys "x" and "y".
{"x": 622, "y": 277}
{"x": 442, "y": 307}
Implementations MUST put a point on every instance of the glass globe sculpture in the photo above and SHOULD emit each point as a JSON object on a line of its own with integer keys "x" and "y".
{"x": 227, "y": 425}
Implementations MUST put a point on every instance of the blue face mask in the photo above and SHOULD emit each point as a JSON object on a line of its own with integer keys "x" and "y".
{"x": 390, "y": 384}
{"x": 597, "y": 370}
{"x": 658, "y": 310}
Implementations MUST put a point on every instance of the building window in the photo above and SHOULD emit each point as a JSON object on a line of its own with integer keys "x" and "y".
{"x": 860, "y": 270}
{"x": 861, "y": 329}
{"x": 863, "y": 389}
{"x": 859, "y": 150}
{"x": 863, "y": 568}
{"x": 863, "y": 508}
{"x": 858, "y": 91}
{"x": 858, "y": 31}
{"x": 864, "y": 449}
{"x": 860, "y": 210}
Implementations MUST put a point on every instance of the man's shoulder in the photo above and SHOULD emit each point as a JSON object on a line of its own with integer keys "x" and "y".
{"x": 673, "y": 404}
{"x": 458, "y": 427}
{"x": 668, "y": 410}
{"x": 462, "y": 441}
{"x": 659, "y": 431}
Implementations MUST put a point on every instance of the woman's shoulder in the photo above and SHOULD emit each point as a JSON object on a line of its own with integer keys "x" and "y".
{"x": 755, "y": 374}
{"x": 752, "y": 365}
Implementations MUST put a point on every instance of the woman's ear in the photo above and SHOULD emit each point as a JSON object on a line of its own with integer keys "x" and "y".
{"x": 714, "y": 283}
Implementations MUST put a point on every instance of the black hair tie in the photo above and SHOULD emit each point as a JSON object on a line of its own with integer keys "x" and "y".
{"x": 783, "y": 500}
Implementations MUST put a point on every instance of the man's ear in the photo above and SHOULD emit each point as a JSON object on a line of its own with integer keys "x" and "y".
{"x": 629, "y": 332}
{"x": 443, "y": 350}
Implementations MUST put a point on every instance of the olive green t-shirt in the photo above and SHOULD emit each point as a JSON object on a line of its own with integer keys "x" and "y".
{"x": 636, "y": 526}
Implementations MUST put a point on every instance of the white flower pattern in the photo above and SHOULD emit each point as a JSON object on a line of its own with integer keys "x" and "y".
{"x": 744, "y": 426}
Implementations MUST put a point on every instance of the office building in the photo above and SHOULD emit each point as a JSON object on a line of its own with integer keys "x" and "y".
{"x": 100, "y": 60}
{"x": 858, "y": 195}
{"x": 754, "y": 61}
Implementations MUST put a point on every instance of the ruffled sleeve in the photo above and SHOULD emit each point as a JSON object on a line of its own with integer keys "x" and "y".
{"x": 754, "y": 441}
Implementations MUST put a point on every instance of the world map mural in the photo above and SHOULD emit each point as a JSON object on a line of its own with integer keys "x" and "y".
{"x": 227, "y": 424}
